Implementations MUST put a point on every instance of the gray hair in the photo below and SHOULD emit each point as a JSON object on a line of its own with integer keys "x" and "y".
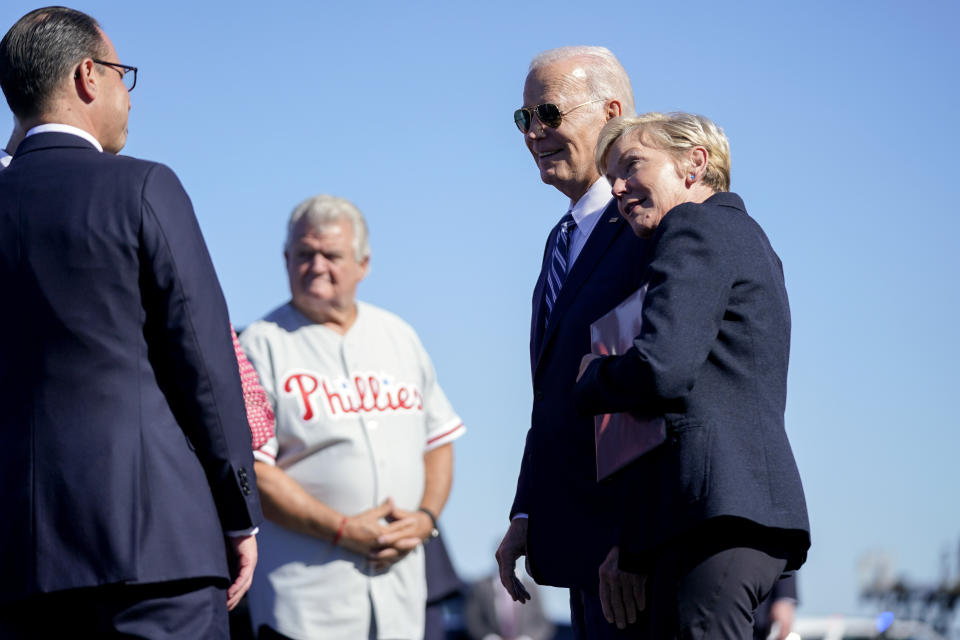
{"x": 323, "y": 210}
{"x": 40, "y": 51}
{"x": 606, "y": 78}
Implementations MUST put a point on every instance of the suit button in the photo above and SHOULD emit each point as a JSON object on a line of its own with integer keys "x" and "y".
{"x": 538, "y": 395}
{"x": 242, "y": 472}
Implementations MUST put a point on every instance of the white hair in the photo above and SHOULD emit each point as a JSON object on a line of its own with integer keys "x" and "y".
{"x": 606, "y": 78}
{"x": 323, "y": 210}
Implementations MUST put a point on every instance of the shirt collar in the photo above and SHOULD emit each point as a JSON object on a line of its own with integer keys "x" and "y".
{"x": 4, "y": 158}
{"x": 587, "y": 210}
{"x": 53, "y": 127}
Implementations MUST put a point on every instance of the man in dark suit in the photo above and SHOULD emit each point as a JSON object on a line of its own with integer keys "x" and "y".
{"x": 562, "y": 519}
{"x": 127, "y": 455}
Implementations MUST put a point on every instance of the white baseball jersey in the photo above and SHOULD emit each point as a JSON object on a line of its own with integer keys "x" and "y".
{"x": 354, "y": 415}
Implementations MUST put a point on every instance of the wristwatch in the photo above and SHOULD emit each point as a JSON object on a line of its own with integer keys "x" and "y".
{"x": 433, "y": 520}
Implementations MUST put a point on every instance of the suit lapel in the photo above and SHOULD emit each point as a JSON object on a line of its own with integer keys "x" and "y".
{"x": 608, "y": 227}
{"x": 536, "y": 318}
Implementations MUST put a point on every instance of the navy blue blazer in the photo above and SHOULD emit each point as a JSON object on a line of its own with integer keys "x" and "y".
{"x": 126, "y": 450}
{"x": 712, "y": 357}
{"x": 572, "y": 518}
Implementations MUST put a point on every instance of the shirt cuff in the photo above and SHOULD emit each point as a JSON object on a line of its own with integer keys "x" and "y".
{"x": 519, "y": 515}
{"x": 252, "y": 531}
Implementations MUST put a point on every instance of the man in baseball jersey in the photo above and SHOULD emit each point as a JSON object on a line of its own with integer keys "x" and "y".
{"x": 362, "y": 461}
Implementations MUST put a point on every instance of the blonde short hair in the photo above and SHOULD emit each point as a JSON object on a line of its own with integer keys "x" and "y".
{"x": 675, "y": 133}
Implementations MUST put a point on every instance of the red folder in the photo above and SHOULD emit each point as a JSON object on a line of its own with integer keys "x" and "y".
{"x": 621, "y": 438}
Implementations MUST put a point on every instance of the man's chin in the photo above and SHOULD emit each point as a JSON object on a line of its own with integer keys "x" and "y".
{"x": 549, "y": 175}
{"x": 116, "y": 146}
{"x": 313, "y": 308}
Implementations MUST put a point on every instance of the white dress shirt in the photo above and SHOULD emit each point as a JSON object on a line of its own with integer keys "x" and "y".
{"x": 5, "y": 157}
{"x": 586, "y": 212}
{"x": 51, "y": 127}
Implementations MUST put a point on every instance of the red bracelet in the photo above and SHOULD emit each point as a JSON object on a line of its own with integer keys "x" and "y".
{"x": 339, "y": 533}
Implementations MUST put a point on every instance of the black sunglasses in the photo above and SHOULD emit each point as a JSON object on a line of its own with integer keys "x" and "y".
{"x": 129, "y": 79}
{"x": 547, "y": 113}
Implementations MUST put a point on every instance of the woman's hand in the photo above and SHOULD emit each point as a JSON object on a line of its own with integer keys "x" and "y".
{"x": 622, "y": 594}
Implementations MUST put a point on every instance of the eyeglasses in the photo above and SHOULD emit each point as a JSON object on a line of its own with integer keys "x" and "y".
{"x": 129, "y": 79}
{"x": 547, "y": 113}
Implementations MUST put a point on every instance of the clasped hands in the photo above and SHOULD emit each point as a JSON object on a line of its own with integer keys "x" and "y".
{"x": 384, "y": 544}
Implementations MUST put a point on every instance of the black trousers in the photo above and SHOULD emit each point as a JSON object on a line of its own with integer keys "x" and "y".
{"x": 177, "y": 610}
{"x": 707, "y": 584}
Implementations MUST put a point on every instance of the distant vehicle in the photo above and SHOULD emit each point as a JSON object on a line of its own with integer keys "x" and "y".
{"x": 882, "y": 627}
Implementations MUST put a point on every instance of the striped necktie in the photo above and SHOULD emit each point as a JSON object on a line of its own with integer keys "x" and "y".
{"x": 558, "y": 262}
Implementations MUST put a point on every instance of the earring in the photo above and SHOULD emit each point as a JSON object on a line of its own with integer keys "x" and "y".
{"x": 693, "y": 176}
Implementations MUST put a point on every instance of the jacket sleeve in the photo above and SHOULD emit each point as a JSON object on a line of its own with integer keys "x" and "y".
{"x": 689, "y": 280}
{"x": 521, "y": 498}
{"x": 189, "y": 339}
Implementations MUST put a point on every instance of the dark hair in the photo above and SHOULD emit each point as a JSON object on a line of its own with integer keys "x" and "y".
{"x": 40, "y": 50}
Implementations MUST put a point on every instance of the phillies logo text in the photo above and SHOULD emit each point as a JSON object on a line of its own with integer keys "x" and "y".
{"x": 363, "y": 393}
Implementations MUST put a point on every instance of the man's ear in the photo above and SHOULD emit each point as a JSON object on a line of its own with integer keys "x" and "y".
{"x": 85, "y": 80}
{"x": 365, "y": 265}
{"x": 614, "y": 110}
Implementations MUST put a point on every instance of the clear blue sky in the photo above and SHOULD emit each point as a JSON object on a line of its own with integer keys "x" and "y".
{"x": 842, "y": 122}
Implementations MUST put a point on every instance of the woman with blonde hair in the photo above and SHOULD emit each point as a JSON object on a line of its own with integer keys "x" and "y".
{"x": 716, "y": 513}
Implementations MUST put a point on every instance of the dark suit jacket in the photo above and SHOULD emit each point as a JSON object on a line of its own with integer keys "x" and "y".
{"x": 712, "y": 357}
{"x": 572, "y": 518}
{"x": 126, "y": 451}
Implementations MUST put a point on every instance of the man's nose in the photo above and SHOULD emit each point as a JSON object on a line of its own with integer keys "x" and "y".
{"x": 318, "y": 264}
{"x": 536, "y": 128}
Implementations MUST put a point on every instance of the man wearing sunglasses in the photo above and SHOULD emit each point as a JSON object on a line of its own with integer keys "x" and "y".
{"x": 126, "y": 474}
{"x": 562, "y": 519}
